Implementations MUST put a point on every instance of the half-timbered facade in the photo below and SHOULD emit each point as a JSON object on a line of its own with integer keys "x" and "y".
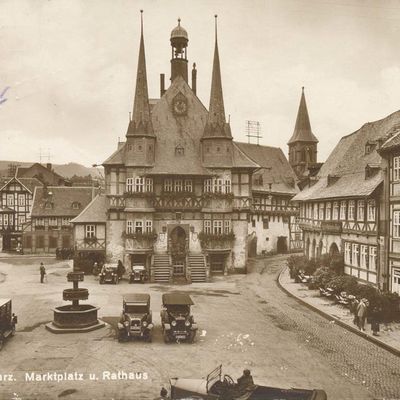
{"x": 273, "y": 224}
{"x": 16, "y": 194}
{"x": 52, "y": 211}
{"x": 390, "y": 152}
{"x": 178, "y": 189}
{"x": 90, "y": 231}
{"x": 345, "y": 210}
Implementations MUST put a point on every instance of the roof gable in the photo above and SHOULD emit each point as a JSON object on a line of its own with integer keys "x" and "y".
{"x": 275, "y": 169}
{"x": 173, "y": 131}
{"x": 95, "y": 211}
{"x": 349, "y": 160}
{"x": 61, "y": 201}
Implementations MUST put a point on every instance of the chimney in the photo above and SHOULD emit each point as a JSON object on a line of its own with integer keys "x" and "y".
{"x": 48, "y": 166}
{"x": 162, "y": 84}
{"x": 194, "y": 78}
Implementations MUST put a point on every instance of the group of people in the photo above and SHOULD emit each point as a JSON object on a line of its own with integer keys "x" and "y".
{"x": 361, "y": 311}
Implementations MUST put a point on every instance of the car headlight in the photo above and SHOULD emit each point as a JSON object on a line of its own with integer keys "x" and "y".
{"x": 126, "y": 323}
{"x": 144, "y": 324}
{"x": 173, "y": 323}
{"x": 187, "y": 323}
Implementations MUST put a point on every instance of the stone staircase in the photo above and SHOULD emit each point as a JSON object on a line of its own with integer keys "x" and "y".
{"x": 198, "y": 271}
{"x": 162, "y": 268}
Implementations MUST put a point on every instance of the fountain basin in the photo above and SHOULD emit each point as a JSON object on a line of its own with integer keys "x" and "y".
{"x": 75, "y": 294}
{"x": 69, "y": 319}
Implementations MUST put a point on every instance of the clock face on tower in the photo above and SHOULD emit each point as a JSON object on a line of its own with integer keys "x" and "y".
{"x": 179, "y": 104}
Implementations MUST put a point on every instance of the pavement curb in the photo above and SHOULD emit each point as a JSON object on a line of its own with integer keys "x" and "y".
{"x": 329, "y": 317}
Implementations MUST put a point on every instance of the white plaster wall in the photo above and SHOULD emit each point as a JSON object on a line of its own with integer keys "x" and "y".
{"x": 275, "y": 229}
{"x": 115, "y": 243}
{"x": 239, "y": 251}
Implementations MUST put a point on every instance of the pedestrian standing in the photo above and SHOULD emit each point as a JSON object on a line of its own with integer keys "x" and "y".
{"x": 375, "y": 320}
{"x": 362, "y": 313}
{"x": 353, "y": 309}
{"x": 42, "y": 272}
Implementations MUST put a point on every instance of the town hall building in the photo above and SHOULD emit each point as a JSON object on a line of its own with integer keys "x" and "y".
{"x": 179, "y": 190}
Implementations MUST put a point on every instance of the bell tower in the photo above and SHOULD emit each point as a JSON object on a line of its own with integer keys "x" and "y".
{"x": 179, "y": 62}
{"x": 303, "y": 144}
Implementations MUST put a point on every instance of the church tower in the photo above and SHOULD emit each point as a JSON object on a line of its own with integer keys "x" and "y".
{"x": 179, "y": 62}
{"x": 140, "y": 138}
{"x": 217, "y": 136}
{"x": 303, "y": 143}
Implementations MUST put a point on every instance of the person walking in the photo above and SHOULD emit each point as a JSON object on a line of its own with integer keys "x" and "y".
{"x": 375, "y": 320}
{"x": 362, "y": 313}
{"x": 42, "y": 272}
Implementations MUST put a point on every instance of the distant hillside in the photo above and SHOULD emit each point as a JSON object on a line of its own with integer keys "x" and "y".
{"x": 65, "y": 170}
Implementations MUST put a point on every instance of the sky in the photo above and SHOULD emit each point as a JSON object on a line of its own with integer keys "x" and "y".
{"x": 68, "y": 68}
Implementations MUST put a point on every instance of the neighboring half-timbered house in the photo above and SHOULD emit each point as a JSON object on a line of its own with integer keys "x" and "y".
{"x": 273, "y": 224}
{"x": 90, "y": 231}
{"x": 390, "y": 151}
{"x": 345, "y": 210}
{"x": 16, "y": 194}
{"x": 52, "y": 211}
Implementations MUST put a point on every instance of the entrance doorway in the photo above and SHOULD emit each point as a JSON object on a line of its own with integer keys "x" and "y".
{"x": 178, "y": 249}
{"x": 282, "y": 246}
{"x": 333, "y": 250}
{"x": 217, "y": 263}
{"x": 252, "y": 252}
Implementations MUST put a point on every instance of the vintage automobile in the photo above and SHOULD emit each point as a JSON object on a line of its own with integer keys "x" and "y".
{"x": 8, "y": 321}
{"x": 109, "y": 274}
{"x": 136, "y": 319}
{"x": 138, "y": 274}
{"x": 177, "y": 322}
{"x": 222, "y": 387}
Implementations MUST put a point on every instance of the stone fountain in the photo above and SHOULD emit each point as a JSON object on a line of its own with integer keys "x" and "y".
{"x": 75, "y": 317}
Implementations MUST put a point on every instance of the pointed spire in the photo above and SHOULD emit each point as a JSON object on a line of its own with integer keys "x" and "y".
{"x": 140, "y": 123}
{"x": 302, "y": 130}
{"x": 216, "y": 122}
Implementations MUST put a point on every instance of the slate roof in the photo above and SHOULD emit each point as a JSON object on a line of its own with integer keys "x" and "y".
{"x": 391, "y": 143}
{"x": 28, "y": 183}
{"x": 61, "y": 199}
{"x": 302, "y": 130}
{"x": 348, "y": 161}
{"x": 95, "y": 211}
{"x": 21, "y": 171}
{"x": 275, "y": 168}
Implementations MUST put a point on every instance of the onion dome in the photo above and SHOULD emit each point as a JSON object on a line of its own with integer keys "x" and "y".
{"x": 179, "y": 33}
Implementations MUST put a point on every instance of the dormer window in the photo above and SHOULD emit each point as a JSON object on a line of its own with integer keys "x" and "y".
{"x": 369, "y": 147}
{"x": 371, "y": 170}
{"x": 179, "y": 151}
{"x": 48, "y": 205}
{"x": 76, "y": 205}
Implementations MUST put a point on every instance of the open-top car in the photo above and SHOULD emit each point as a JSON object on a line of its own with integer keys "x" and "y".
{"x": 138, "y": 274}
{"x": 8, "y": 321}
{"x": 136, "y": 319}
{"x": 222, "y": 387}
{"x": 109, "y": 274}
{"x": 177, "y": 322}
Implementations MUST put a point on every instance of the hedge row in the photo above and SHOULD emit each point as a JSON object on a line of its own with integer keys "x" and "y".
{"x": 328, "y": 272}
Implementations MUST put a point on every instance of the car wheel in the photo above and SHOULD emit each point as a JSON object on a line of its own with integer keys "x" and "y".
{"x": 166, "y": 338}
{"x": 149, "y": 339}
{"x": 191, "y": 337}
